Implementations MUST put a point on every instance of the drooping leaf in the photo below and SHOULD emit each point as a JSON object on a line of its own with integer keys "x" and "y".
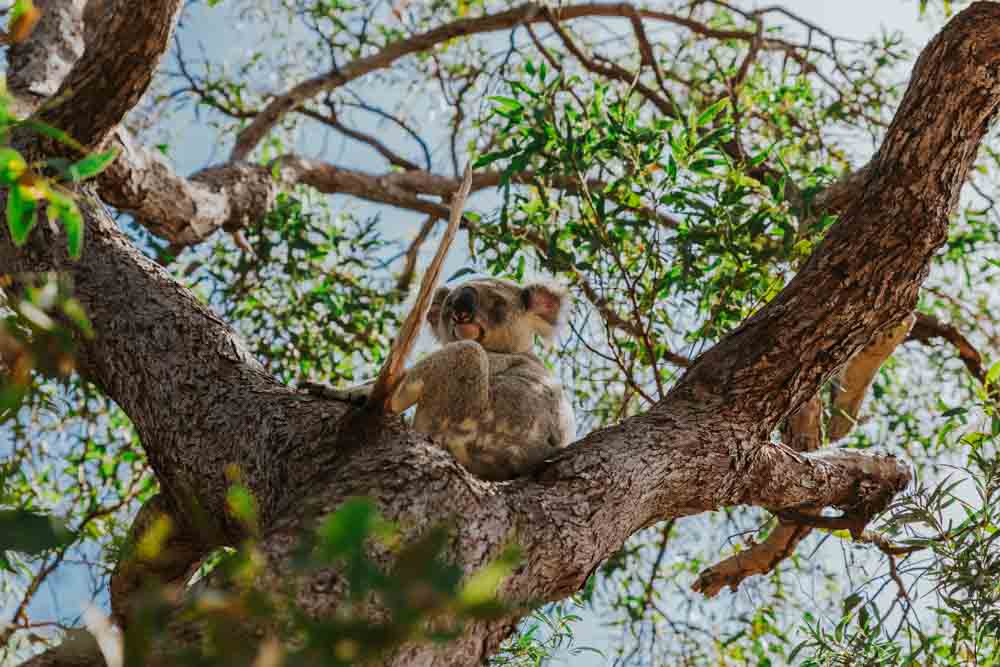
{"x": 72, "y": 221}
{"x": 22, "y": 213}
{"x": 92, "y": 165}
{"x": 464, "y": 271}
{"x": 53, "y": 133}
{"x": 709, "y": 114}
{"x": 993, "y": 373}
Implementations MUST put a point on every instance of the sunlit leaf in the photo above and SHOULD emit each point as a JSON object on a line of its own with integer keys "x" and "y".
{"x": 22, "y": 214}
{"x": 12, "y": 165}
{"x": 92, "y": 165}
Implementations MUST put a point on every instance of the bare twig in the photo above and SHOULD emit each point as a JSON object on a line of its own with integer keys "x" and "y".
{"x": 392, "y": 370}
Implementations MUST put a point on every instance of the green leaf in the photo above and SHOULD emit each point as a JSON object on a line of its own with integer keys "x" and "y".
{"x": 346, "y": 530}
{"x": 22, "y": 214}
{"x": 12, "y": 165}
{"x": 481, "y": 588}
{"x": 974, "y": 438}
{"x": 72, "y": 220}
{"x": 23, "y": 18}
{"x": 92, "y": 165}
{"x": 993, "y": 374}
{"x": 850, "y": 602}
{"x": 506, "y": 104}
{"x": 242, "y": 505}
{"x": 72, "y": 308}
{"x": 711, "y": 112}
{"x": 53, "y": 133}
{"x": 20, "y": 8}
{"x": 30, "y": 533}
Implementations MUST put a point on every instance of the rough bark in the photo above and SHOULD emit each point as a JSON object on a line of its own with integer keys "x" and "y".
{"x": 803, "y": 432}
{"x": 201, "y": 403}
{"x": 107, "y": 82}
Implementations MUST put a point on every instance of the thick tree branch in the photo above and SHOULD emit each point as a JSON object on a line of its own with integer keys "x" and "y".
{"x": 863, "y": 279}
{"x": 186, "y": 211}
{"x": 174, "y": 368}
{"x": 111, "y": 77}
{"x": 803, "y": 431}
{"x": 180, "y": 210}
{"x": 868, "y": 269}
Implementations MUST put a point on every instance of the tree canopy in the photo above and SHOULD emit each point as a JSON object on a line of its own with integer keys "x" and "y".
{"x": 781, "y": 244}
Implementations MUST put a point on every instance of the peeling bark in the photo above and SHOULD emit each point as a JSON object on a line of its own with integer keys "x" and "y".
{"x": 38, "y": 66}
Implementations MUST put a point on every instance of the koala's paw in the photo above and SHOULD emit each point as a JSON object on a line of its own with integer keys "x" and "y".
{"x": 357, "y": 395}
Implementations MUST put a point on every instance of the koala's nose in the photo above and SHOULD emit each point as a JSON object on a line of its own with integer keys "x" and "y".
{"x": 466, "y": 302}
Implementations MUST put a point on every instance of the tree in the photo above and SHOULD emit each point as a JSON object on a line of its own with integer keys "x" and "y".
{"x": 687, "y": 187}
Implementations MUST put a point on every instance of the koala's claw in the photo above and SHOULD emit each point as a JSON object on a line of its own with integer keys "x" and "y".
{"x": 354, "y": 395}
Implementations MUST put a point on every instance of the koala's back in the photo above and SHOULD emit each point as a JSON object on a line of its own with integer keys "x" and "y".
{"x": 524, "y": 418}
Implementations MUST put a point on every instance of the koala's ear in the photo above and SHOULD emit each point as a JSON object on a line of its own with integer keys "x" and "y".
{"x": 434, "y": 312}
{"x": 545, "y": 303}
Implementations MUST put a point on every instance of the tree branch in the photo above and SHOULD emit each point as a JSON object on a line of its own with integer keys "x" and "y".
{"x": 759, "y": 558}
{"x": 525, "y": 14}
{"x": 174, "y": 368}
{"x": 862, "y": 279}
{"x": 927, "y": 328}
{"x": 378, "y": 146}
{"x": 853, "y": 381}
{"x": 111, "y": 77}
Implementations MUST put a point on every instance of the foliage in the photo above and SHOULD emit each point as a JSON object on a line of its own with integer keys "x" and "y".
{"x": 304, "y": 297}
{"x": 28, "y": 188}
{"x": 424, "y": 597}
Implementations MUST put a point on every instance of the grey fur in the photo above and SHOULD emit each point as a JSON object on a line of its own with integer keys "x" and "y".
{"x": 485, "y": 396}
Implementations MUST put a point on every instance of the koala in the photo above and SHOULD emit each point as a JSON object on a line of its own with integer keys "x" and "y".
{"x": 484, "y": 396}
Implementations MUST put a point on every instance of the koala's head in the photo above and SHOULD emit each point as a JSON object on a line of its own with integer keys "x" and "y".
{"x": 501, "y": 315}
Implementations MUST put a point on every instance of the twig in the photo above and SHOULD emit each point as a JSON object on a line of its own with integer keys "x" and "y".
{"x": 392, "y": 370}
